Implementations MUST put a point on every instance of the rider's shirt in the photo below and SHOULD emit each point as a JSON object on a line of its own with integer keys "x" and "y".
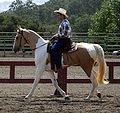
{"x": 64, "y": 29}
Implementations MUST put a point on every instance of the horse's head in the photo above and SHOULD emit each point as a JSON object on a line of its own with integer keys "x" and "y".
{"x": 20, "y": 39}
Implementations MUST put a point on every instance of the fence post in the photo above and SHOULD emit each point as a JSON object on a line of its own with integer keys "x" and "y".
{"x": 12, "y": 72}
{"x": 4, "y": 47}
{"x": 111, "y": 72}
{"x": 105, "y": 43}
{"x": 62, "y": 81}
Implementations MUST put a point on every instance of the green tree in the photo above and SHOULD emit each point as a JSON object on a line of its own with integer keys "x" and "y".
{"x": 82, "y": 23}
{"x": 15, "y": 5}
{"x": 42, "y": 17}
{"x": 107, "y": 19}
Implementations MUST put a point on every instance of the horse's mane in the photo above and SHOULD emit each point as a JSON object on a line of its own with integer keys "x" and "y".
{"x": 34, "y": 32}
{"x": 22, "y": 29}
{"x": 29, "y": 30}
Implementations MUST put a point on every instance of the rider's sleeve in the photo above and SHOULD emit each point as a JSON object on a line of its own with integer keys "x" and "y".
{"x": 67, "y": 30}
{"x": 64, "y": 30}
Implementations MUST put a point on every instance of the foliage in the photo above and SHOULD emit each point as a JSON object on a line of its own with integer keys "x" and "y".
{"x": 107, "y": 19}
{"x": 41, "y": 17}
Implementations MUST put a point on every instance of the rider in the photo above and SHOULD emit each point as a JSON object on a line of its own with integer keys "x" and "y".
{"x": 63, "y": 37}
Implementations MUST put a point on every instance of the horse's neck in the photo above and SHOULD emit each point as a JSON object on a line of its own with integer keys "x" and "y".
{"x": 41, "y": 40}
{"x": 34, "y": 39}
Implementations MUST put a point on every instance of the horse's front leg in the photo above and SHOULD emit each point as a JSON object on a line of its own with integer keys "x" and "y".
{"x": 55, "y": 83}
{"x": 39, "y": 71}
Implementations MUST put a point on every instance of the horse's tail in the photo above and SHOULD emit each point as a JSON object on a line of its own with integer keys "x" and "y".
{"x": 101, "y": 65}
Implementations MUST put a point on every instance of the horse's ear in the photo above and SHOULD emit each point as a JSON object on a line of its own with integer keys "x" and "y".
{"x": 18, "y": 27}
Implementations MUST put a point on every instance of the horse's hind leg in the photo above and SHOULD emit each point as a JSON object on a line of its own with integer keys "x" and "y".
{"x": 94, "y": 84}
{"x": 97, "y": 92}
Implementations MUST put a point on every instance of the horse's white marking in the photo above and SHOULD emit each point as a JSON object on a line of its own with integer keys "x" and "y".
{"x": 91, "y": 50}
{"x": 40, "y": 42}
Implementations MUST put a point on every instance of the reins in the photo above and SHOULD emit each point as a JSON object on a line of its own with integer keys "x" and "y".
{"x": 22, "y": 36}
{"x": 40, "y": 46}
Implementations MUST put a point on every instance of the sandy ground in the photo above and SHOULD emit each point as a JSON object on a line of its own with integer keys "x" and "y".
{"x": 12, "y": 99}
{"x": 12, "y": 95}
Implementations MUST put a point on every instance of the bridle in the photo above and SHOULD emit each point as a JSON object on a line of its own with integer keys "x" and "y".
{"x": 22, "y": 36}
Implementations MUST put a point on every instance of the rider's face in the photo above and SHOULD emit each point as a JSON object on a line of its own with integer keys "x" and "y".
{"x": 60, "y": 16}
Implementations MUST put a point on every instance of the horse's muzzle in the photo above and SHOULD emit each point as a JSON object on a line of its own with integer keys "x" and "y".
{"x": 16, "y": 49}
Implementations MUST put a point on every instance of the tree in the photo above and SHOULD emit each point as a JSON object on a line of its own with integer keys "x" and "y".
{"x": 42, "y": 17}
{"x": 107, "y": 19}
{"x": 15, "y": 5}
{"x": 82, "y": 23}
{"x": 1, "y": 19}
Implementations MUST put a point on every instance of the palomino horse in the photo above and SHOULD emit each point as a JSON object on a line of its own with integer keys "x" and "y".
{"x": 85, "y": 56}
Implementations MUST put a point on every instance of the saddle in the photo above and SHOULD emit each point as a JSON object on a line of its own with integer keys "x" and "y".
{"x": 73, "y": 47}
{"x": 70, "y": 47}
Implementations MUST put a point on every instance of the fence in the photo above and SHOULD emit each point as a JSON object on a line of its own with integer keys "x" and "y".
{"x": 109, "y": 41}
{"x": 7, "y": 39}
{"x": 62, "y": 80}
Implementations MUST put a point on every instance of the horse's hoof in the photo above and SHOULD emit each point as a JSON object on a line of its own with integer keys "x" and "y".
{"x": 26, "y": 97}
{"x": 99, "y": 94}
{"x": 87, "y": 99}
{"x": 67, "y": 98}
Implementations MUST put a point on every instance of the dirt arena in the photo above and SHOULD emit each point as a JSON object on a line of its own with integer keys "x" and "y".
{"x": 12, "y": 95}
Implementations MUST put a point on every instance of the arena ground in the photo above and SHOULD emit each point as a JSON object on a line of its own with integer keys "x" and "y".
{"x": 12, "y": 95}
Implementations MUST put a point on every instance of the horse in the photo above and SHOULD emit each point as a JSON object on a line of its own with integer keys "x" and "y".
{"x": 86, "y": 55}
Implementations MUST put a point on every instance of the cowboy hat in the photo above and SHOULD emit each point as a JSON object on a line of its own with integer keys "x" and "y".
{"x": 61, "y": 11}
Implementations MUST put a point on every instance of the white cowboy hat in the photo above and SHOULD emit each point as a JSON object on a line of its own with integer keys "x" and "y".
{"x": 61, "y": 11}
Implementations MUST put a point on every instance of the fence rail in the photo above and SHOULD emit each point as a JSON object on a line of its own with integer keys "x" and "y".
{"x": 62, "y": 80}
{"x": 109, "y": 42}
{"x": 12, "y": 65}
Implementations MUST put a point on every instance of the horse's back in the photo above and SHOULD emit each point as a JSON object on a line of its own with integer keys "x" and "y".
{"x": 84, "y": 53}
{"x": 88, "y": 46}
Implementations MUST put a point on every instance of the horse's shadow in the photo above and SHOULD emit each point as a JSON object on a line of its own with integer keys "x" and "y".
{"x": 73, "y": 99}
{"x": 60, "y": 100}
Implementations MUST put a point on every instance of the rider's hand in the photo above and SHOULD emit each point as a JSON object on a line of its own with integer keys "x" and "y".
{"x": 54, "y": 37}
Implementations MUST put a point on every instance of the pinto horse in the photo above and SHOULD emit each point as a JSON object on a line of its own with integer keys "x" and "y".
{"x": 85, "y": 56}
